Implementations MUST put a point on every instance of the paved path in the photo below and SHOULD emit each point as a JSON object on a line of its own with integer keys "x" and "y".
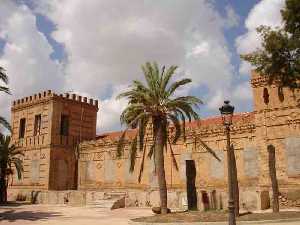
{"x": 67, "y": 215}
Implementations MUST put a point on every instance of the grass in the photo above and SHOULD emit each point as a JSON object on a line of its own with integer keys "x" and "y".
{"x": 215, "y": 216}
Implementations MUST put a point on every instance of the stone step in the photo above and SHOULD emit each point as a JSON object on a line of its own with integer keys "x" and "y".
{"x": 102, "y": 203}
{"x": 114, "y": 195}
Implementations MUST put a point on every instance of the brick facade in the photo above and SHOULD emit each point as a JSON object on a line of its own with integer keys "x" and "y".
{"x": 274, "y": 121}
{"x": 49, "y": 154}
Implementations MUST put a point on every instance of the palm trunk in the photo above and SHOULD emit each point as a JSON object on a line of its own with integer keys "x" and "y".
{"x": 272, "y": 170}
{"x": 160, "y": 135}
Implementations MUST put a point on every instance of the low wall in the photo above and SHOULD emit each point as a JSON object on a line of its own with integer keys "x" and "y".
{"x": 177, "y": 199}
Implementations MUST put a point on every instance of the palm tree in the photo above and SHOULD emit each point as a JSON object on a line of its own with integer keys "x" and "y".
{"x": 8, "y": 158}
{"x": 154, "y": 103}
{"x": 4, "y": 79}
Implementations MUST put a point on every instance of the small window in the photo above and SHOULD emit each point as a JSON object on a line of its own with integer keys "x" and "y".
{"x": 37, "y": 124}
{"x": 266, "y": 96}
{"x": 22, "y": 128}
{"x": 64, "y": 125}
{"x": 280, "y": 94}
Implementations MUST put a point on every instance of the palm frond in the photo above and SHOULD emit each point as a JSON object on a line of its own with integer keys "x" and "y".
{"x": 142, "y": 165}
{"x": 173, "y": 155}
{"x": 177, "y": 127}
{"x": 5, "y": 89}
{"x": 133, "y": 153}
{"x": 212, "y": 152}
{"x": 4, "y": 123}
{"x": 167, "y": 77}
{"x": 9, "y": 154}
{"x": 121, "y": 145}
{"x": 151, "y": 151}
{"x": 142, "y": 128}
{"x": 19, "y": 166}
{"x": 176, "y": 85}
{"x": 3, "y": 75}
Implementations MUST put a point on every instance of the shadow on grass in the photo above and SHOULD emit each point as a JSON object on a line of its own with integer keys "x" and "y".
{"x": 245, "y": 213}
{"x": 13, "y": 215}
{"x": 15, "y": 204}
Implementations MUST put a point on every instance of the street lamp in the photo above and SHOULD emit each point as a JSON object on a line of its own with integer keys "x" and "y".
{"x": 227, "y": 113}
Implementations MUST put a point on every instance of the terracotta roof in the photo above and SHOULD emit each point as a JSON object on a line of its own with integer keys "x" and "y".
{"x": 117, "y": 134}
{"x": 210, "y": 121}
{"x": 217, "y": 120}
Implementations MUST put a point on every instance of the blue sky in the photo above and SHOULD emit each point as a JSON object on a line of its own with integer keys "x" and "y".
{"x": 96, "y": 47}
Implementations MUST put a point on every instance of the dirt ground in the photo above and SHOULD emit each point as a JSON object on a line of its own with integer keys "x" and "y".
{"x": 24, "y": 214}
{"x": 66, "y": 215}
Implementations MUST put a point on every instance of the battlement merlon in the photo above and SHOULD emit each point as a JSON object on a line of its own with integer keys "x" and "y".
{"x": 257, "y": 80}
{"x": 49, "y": 95}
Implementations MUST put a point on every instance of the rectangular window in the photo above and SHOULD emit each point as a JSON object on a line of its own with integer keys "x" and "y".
{"x": 250, "y": 162}
{"x": 37, "y": 124}
{"x": 35, "y": 170}
{"x": 22, "y": 128}
{"x": 292, "y": 146}
{"x": 64, "y": 125}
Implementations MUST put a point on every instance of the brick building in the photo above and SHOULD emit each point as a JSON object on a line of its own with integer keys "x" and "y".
{"x": 47, "y": 127}
{"x": 49, "y": 151}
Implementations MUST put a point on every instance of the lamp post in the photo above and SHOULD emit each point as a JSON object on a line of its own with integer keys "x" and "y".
{"x": 227, "y": 113}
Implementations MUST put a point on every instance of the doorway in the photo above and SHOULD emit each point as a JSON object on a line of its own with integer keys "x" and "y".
{"x": 190, "y": 184}
{"x": 205, "y": 200}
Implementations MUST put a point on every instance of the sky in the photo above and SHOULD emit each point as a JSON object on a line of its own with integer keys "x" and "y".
{"x": 95, "y": 48}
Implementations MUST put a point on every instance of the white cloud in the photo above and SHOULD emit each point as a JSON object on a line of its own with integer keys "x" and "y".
{"x": 216, "y": 101}
{"x": 266, "y": 12}
{"x": 243, "y": 92}
{"x": 107, "y": 41}
{"x": 110, "y": 111}
{"x": 233, "y": 19}
{"x": 26, "y": 54}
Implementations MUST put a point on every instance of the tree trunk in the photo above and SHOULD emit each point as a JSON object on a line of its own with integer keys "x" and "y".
{"x": 235, "y": 183}
{"x": 272, "y": 171}
{"x": 3, "y": 191}
{"x": 160, "y": 140}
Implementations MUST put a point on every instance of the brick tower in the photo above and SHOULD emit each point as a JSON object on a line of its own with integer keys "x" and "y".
{"x": 48, "y": 127}
{"x": 277, "y": 120}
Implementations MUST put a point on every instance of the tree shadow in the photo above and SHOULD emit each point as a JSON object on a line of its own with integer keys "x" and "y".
{"x": 13, "y": 215}
{"x": 14, "y": 204}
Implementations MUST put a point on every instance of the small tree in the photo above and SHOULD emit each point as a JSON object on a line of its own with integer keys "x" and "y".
{"x": 8, "y": 158}
{"x": 279, "y": 57}
{"x": 154, "y": 104}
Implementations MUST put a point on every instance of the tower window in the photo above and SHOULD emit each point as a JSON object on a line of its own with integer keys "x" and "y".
{"x": 64, "y": 125}
{"x": 37, "y": 124}
{"x": 22, "y": 128}
{"x": 280, "y": 94}
{"x": 266, "y": 96}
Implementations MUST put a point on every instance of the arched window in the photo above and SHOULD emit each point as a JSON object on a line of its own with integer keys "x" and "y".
{"x": 266, "y": 96}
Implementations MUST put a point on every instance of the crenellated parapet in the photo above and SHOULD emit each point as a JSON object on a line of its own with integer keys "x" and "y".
{"x": 47, "y": 95}
{"x": 77, "y": 98}
{"x": 33, "y": 99}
